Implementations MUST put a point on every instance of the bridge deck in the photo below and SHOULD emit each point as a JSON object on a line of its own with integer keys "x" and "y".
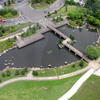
{"x": 76, "y": 51}
{"x": 58, "y": 32}
{"x": 68, "y": 45}
{"x": 24, "y": 42}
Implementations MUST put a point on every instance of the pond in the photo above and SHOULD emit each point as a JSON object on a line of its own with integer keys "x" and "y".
{"x": 46, "y": 51}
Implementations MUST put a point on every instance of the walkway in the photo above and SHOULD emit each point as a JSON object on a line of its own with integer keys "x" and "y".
{"x": 76, "y": 51}
{"x": 24, "y": 42}
{"x": 30, "y": 77}
{"x": 94, "y": 67}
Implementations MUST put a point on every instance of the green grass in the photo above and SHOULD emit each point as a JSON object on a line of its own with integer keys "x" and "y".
{"x": 5, "y": 30}
{"x": 41, "y": 6}
{"x": 60, "y": 71}
{"x": 12, "y": 75}
{"x": 31, "y": 31}
{"x": 5, "y": 45}
{"x": 89, "y": 91}
{"x": 7, "y": 13}
{"x": 37, "y": 90}
{"x": 61, "y": 12}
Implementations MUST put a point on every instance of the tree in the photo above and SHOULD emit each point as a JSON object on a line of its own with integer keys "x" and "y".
{"x": 72, "y": 37}
{"x": 23, "y": 72}
{"x": 82, "y": 63}
{"x": 17, "y": 72}
{"x": 8, "y": 73}
{"x": 92, "y": 52}
{"x": 35, "y": 73}
{"x": 0, "y": 80}
{"x": 5, "y": 4}
{"x": 73, "y": 65}
{"x": 9, "y": 2}
{"x": 25, "y": 69}
{"x": 3, "y": 74}
{"x": 12, "y": 1}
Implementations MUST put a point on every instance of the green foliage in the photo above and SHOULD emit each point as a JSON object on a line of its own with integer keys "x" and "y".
{"x": 93, "y": 52}
{"x": 39, "y": 1}
{"x": 22, "y": 72}
{"x": 72, "y": 37}
{"x": 58, "y": 19}
{"x": 82, "y": 63}
{"x": 8, "y": 73}
{"x": 35, "y": 73}
{"x": 17, "y": 72}
{"x": 0, "y": 80}
{"x": 25, "y": 69}
{"x": 5, "y": 45}
{"x": 8, "y": 12}
{"x": 31, "y": 31}
{"x": 92, "y": 20}
{"x": 3, "y": 74}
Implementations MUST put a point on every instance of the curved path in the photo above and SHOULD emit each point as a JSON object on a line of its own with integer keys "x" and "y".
{"x": 30, "y": 77}
{"x": 77, "y": 85}
{"x": 27, "y": 13}
{"x": 94, "y": 67}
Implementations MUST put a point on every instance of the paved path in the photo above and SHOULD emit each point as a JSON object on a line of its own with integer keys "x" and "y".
{"x": 77, "y": 85}
{"x": 94, "y": 66}
{"x": 27, "y": 13}
{"x": 30, "y": 77}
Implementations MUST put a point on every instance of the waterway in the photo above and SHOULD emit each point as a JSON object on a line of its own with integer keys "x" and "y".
{"x": 46, "y": 51}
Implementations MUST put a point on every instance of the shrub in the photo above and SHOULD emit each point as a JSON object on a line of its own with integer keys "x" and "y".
{"x": 0, "y": 80}
{"x": 92, "y": 52}
{"x": 81, "y": 63}
{"x": 25, "y": 69}
{"x": 73, "y": 65}
{"x": 8, "y": 73}
{"x": 3, "y": 74}
{"x": 22, "y": 72}
{"x": 72, "y": 37}
{"x": 35, "y": 73}
{"x": 17, "y": 72}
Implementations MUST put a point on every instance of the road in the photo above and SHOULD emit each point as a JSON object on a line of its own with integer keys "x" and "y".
{"x": 27, "y": 13}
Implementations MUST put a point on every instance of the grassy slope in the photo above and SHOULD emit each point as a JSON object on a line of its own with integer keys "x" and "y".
{"x": 89, "y": 91}
{"x": 12, "y": 75}
{"x": 33, "y": 90}
{"x": 60, "y": 71}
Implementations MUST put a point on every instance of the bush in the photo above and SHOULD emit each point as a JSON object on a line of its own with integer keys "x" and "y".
{"x": 81, "y": 63}
{"x": 25, "y": 69}
{"x": 92, "y": 52}
{"x": 72, "y": 37}
{"x": 8, "y": 73}
{"x": 17, "y": 72}
{"x": 35, "y": 73}
{"x": 0, "y": 80}
{"x": 73, "y": 65}
{"x": 3, "y": 74}
{"x": 8, "y": 12}
{"x": 22, "y": 72}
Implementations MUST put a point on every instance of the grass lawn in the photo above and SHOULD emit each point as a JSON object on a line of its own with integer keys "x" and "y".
{"x": 61, "y": 12}
{"x": 89, "y": 91}
{"x": 5, "y": 30}
{"x": 41, "y": 6}
{"x": 34, "y": 90}
{"x": 12, "y": 75}
{"x": 60, "y": 71}
{"x": 5, "y": 45}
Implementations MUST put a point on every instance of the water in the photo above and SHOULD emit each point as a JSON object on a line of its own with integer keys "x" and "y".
{"x": 46, "y": 51}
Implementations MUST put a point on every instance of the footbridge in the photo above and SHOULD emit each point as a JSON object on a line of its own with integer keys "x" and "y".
{"x": 65, "y": 42}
